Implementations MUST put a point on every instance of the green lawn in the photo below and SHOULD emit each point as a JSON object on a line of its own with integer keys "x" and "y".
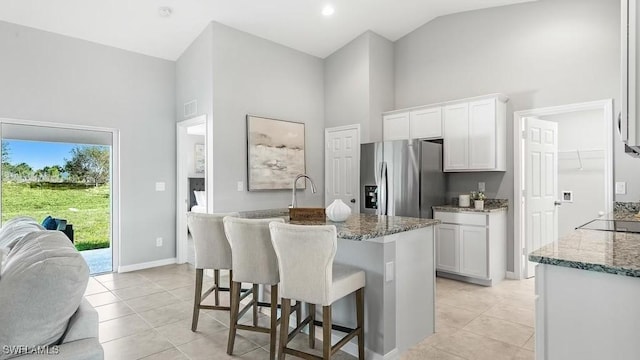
{"x": 84, "y": 206}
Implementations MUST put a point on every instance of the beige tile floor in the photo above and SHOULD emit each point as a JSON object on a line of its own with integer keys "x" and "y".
{"x": 477, "y": 322}
{"x": 147, "y": 314}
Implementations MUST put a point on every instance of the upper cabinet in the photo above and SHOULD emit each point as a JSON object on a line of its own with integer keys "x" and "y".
{"x": 629, "y": 121}
{"x": 474, "y": 131}
{"x": 415, "y": 124}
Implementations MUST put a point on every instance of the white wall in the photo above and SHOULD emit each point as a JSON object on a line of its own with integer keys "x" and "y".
{"x": 543, "y": 53}
{"x": 194, "y": 75}
{"x": 255, "y": 76}
{"x": 580, "y": 130}
{"x": 359, "y": 85}
{"x": 53, "y": 78}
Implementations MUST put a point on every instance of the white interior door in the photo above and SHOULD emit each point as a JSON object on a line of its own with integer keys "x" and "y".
{"x": 342, "y": 165}
{"x": 541, "y": 186}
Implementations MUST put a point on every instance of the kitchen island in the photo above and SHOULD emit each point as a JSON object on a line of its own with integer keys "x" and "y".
{"x": 587, "y": 291}
{"x": 397, "y": 255}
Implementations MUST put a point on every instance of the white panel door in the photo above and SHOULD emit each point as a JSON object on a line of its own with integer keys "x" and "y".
{"x": 447, "y": 248}
{"x": 426, "y": 123}
{"x": 395, "y": 127}
{"x": 482, "y": 134}
{"x": 342, "y": 166}
{"x": 541, "y": 186}
{"x": 456, "y": 137}
{"x": 473, "y": 251}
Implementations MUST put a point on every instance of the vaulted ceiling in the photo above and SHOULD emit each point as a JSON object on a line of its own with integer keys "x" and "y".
{"x": 136, "y": 25}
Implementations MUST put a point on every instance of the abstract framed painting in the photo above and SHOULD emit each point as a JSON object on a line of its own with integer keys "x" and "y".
{"x": 275, "y": 153}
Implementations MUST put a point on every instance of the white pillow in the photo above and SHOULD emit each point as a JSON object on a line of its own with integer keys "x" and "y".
{"x": 3, "y": 257}
{"x": 201, "y": 198}
{"x": 15, "y": 229}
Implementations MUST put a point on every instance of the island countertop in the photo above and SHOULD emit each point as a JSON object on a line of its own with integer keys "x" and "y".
{"x": 358, "y": 226}
{"x": 602, "y": 251}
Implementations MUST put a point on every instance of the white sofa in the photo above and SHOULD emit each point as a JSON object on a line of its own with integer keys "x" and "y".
{"x": 43, "y": 313}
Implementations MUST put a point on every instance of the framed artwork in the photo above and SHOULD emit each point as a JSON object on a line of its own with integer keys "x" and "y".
{"x": 275, "y": 153}
{"x": 198, "y": 158}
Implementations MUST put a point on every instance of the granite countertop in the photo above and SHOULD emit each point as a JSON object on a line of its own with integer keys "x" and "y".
{"x": 602, "y": 251}
{"x": 358, "y": 226}
{"x": 490, "y": 205}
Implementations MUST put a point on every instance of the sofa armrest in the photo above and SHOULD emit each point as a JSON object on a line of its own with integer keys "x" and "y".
{"x": 83, "y": 324}
{"x": 85, "y": 349}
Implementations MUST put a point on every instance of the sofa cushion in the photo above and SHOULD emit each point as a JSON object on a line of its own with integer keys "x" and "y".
{"x": 41, "y": 287}
{"x": 15, "y": 229}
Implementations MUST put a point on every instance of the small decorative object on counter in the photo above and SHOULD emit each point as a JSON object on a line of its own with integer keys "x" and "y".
{"x": 338, "y": 211}
{"x": 478, "y": 199}
{"x": 464, "y": 201}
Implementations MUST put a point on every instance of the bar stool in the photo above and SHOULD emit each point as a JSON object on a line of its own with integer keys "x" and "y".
{"x": 307, "y": 273}
{"x": 254, "y": 262}
{"x": 212, "y": 251}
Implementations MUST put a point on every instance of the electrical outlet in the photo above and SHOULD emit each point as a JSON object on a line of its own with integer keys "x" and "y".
{"x": 388, "y": 272}
{"x": 481, "y": 186}
{"x": 621, "y": 187}
{"x": 159, "y": 242}
{"x": 240, "y": 186}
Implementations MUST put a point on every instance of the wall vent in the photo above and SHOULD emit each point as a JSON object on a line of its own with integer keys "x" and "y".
{"x": 190, "y": 108}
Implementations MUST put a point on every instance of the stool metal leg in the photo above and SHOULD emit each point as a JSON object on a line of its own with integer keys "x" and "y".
{"x": 235, "y": 308}
{"x": 312, "y": 326}
{"x": 255, "y": 304}
{"x": 326, "y": 332}
{"x": 197, "y": 298}
{"x": 284, "y": 327}
{"x": 360, "y": 321}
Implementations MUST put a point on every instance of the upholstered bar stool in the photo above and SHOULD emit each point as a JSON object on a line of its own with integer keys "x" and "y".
{"x": 254, "y": 262}
{"x": 307, "y": 273}
{"x": 212, "y": 251}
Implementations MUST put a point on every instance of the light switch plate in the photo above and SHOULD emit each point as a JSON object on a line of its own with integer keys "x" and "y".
{"x": 160, "y": 186}
{"x": 481, "y": 186}
{"x": 159, "y": 242}
{"x": 240, "y": 186}
{"x": 621, "y": 187}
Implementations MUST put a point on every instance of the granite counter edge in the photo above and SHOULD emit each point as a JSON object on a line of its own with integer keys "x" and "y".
{"x": 580, "y": 265}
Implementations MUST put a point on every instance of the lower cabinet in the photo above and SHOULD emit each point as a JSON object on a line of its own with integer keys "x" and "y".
{"x": 472, "y": 246}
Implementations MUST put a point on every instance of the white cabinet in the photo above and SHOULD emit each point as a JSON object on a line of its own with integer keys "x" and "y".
{"x": 395, "y": 127}
{"x": 456, "y": 132}
{"x": 472, "y": 246}
{"x": 448, "y": 244}
{"x": 415, "y": 124}
{"x": 426, "y": 123}
{"x": 475, "y": 136}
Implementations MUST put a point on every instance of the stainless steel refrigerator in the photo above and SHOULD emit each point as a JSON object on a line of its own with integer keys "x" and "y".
{"x": 401, "y": 178}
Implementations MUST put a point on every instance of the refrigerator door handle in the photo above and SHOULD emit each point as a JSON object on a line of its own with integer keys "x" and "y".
{"x": 382, "y": 189}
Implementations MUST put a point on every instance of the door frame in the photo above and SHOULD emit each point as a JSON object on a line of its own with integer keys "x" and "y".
{"x": 114, "y": 180}
{"x": 182, "y": 183}
{"x": 606, "y": 106}
{"x": 355, "y": 127}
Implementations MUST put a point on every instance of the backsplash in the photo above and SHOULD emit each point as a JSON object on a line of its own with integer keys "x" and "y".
{"x": 487, "y": 202}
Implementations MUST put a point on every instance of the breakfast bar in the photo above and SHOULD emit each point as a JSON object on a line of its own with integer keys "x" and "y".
{"x": 397, "y": 255}
{"x": 587, "y": 291}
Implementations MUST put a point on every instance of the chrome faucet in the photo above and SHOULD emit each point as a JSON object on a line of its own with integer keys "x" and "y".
{"x": 293, "y": 190}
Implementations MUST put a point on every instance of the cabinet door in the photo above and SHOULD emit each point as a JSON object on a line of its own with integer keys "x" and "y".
{"x": 473, "y": 251}
{"x": 482, "y": 134}
{"x": 426, "y": 123}
{"x": 456, "y": 137}
{"x": 395, "y": 127}
{"x": 447, "y": 248}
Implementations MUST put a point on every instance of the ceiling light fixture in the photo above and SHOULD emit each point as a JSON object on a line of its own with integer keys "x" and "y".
{"x": 328, "y": 10}
{"x": 165, "y": 11}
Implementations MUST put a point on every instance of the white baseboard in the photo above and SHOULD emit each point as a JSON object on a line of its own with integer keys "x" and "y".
{"x": 512, "y": 275}
{"x": 146, "y": 265}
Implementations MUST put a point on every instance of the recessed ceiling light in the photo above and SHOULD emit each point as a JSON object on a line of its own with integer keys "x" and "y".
{"x": 165, "y": 11}
{"x": 328, "y": 10}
